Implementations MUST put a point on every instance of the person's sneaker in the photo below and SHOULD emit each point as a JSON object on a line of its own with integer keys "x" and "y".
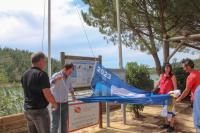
{"x": 164, "y": 126}
{"x": 170, "y": 129}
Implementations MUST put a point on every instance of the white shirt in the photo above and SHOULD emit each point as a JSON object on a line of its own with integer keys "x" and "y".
{"x": 60, "y": 88}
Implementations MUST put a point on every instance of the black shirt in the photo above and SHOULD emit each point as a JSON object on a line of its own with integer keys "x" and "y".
{"x": 33, "y": 81}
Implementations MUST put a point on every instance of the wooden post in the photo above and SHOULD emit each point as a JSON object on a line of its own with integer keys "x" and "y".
{"x": 124, "y": 112}
{"x": 100, "y": 104}
{"x": 62, "y": 58}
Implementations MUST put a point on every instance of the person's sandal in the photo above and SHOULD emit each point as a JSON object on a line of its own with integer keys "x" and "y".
{"x": 164, "y": 126}
{"x": 170, "y": 129}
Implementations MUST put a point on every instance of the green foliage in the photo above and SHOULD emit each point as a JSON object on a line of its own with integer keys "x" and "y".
{"x": 3, "y": 77}
{"x": 11, "y": 100}
{"x": 144, "y": 23}
{"x": 197, "y": 64}
{"x": 136, "y": 109}
{"x": 181, "y": 77}
{"x": 138, "y": 76}
{"x": 15, "y": 62}
{"x": 141, "y": 23}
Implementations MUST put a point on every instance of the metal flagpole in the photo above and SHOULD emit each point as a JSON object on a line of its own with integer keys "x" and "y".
{"x": 49, "y": 38}
{"x": 119, "y": 36}
{"x": 49, "y": 45}
{"x": 123, "y": 106}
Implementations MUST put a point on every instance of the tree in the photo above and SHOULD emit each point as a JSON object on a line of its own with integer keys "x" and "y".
{"x": 3, "y": 78}
{"x": 144, "y": 23}
{"x": 181, "y": 77}
{"x": 138, "y": 76}
{"x": 15, "y": 62}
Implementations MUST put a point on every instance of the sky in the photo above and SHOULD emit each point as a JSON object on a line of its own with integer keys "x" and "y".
{"x": 21, "y": 27}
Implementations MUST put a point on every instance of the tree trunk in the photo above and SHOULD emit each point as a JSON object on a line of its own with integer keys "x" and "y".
{"x": 163, "y": 31}
{"x": 136, "y": 113}
{"x": 157, "y": 62}
{"x": 165, "y": 51}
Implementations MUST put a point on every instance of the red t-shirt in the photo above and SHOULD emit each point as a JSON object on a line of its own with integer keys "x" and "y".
{"x": 166, "y": 84}
{"x": 193, "y": 81}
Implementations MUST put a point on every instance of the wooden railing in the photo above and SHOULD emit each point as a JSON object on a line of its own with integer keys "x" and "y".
{"x": 17, "y": 123}
{"x": 13, "y": 124}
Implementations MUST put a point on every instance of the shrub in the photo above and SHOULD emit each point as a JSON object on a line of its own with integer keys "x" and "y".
{"x": 181, "y": 77}
{"x": 138, "y": 76}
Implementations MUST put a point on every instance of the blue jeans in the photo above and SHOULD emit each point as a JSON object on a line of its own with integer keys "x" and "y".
{"x": 60, "y": 116}
{"x": 196, "y": 109}
{"x": 38, "y": 121}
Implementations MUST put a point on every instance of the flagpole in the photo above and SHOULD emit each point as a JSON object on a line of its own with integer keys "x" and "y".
{"x": 123, "y": 106}
{"x": 49, "y": 38}
{"x": 119, "y": 36}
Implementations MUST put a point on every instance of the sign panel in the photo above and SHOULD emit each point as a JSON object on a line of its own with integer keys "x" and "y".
{"x": 82, "y": 115}
{"x": 82, "y": 74}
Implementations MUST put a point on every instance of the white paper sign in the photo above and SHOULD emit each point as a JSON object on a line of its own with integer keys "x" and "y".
{"x": 83, "y": 115}
{"x": 82, "y": 74}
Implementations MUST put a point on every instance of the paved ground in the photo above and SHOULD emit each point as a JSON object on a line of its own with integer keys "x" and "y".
{"x": 149, "y": 124}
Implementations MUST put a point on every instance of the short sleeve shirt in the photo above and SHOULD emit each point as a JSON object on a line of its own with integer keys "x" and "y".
{"x": 60, "y": 88}
{"x": 193, "y": 81}
{"x": 166, "y": 84}
{"x": 33, "y": 82}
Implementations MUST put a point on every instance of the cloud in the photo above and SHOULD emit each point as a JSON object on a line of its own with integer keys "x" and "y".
{"x": 21, "y": 24}
{"x": 17, "y": 30}
{"x": 31, "y": 6}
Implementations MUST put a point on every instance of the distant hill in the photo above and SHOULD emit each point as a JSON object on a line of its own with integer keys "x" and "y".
{"x": 14, "y": 62}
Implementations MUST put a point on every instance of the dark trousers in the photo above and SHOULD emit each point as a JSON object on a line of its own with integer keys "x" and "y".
{"x": 59, "y": 117}
{"x": 38, "y": 121}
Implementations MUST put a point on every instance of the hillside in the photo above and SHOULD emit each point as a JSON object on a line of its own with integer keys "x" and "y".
{"x": 13, "y": 62}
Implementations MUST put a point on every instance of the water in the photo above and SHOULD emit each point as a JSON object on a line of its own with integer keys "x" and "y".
{"x": 11, "y": 100}
{"x": 154, "y": 77}
{"x": 12, "y": 97}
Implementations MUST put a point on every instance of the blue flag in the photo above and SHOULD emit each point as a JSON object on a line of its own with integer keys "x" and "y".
{"x": 107, "y": 87}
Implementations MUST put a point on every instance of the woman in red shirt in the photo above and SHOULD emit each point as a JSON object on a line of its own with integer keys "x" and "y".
{"x": 167, "y": 83}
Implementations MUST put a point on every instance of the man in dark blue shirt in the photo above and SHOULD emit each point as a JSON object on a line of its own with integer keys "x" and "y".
{"x": 37, "y": 95}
